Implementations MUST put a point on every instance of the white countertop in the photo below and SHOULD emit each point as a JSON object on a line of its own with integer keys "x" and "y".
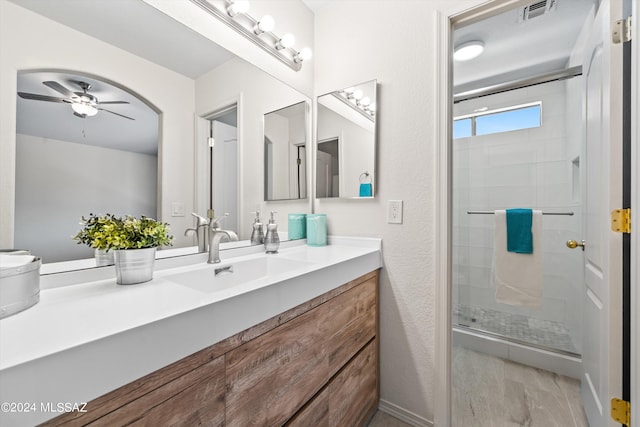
{"x": 81, "y": 341}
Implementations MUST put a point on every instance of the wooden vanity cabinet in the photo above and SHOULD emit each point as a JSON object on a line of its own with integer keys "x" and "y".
{"x": 314, "y": 365}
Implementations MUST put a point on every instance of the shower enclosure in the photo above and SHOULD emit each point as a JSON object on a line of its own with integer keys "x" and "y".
{"x": 519, "y": 149}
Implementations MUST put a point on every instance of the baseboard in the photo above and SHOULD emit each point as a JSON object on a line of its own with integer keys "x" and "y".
{"x": 403, "y": 415}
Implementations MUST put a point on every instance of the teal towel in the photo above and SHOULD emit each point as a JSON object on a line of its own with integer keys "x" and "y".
{"x": 519, "y": 236}
{"x": 365, "y": 190}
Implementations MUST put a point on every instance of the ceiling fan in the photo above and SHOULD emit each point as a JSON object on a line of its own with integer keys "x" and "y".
{"x": 83, "y": 103}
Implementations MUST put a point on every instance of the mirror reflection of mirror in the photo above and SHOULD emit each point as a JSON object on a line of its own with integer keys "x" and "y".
{"x": 285, "y": 153}
{"x": 346, "y": 149}
{"x": 69, "y": 163}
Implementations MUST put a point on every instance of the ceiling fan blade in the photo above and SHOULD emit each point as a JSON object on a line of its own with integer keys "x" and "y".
{"x": 37, "y": 97}
{"x": 112, "y": 102}
{"x": 109, "y": 111}
{"x": 82, "y": 116}
{"x": 59, "y": 88}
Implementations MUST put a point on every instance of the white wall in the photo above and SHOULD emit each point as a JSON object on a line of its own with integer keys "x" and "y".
{"x": 396, "y": 43}
{"x": 257, "y": 94}
{"x": 29, "y": 41}
{"x": 529, "y": 168}
{"x": 58, "y": 182}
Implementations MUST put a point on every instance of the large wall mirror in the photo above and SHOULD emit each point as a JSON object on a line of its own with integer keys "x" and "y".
{"x": 180, "y": 84}
{"x": 71, "y": 162}
{"x": 285, "y": 152}
{"x": 346, "y": 144}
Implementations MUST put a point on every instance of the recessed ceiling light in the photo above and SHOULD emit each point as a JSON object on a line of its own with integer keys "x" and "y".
{"x": 468, "y": 50}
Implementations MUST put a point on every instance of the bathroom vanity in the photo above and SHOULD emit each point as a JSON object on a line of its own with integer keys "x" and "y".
{"x": 293, "y": 340}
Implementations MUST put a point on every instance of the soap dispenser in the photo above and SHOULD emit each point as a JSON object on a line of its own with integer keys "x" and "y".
{"x": 257, "y": 235}
{"x": 271, "y": 239}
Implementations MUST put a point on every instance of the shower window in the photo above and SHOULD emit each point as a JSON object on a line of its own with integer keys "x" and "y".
{"x": 488, "y": 122}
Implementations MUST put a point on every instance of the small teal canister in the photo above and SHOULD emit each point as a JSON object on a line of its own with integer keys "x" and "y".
{"x": 317, "y": 229}
{"x": 297, "y": 226}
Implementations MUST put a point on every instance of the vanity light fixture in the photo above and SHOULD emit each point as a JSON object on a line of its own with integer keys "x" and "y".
{"x": 468, "y": 50}
{"x": 234, "y": 13}
{"x": 355, "y": 99}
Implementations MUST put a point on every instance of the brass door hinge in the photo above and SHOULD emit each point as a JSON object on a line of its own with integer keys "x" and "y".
{"x": 621, "y": 220}
{"x": 621, "y": 411}
{"x": 621, "y": 31}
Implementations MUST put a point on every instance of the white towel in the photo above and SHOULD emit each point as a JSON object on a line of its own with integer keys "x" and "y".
{"x": 518, "y": 277}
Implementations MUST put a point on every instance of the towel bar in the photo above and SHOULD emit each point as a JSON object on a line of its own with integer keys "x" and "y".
{"x": 543, "y": 213}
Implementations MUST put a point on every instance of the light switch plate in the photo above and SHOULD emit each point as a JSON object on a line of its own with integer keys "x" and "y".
{"x": 394, "y": 213}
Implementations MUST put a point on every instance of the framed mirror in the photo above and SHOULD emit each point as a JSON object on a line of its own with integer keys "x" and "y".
{"x": 179, "y": 83}
{"x": 346, "y": 148}
{"x": 285, "y": 153}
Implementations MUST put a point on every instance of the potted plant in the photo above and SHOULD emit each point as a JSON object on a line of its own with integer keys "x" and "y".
{"x": 132, "y": 240}
{"x": 91, "y": 233}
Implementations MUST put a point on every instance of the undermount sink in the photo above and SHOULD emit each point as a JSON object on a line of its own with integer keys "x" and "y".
{"x": 216, "y": 277}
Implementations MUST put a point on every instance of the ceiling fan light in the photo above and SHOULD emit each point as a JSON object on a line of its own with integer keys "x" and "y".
{"x": 84, "y": 109}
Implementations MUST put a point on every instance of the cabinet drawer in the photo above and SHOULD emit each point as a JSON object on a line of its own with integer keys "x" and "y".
{"x": 196, "y": 398}
{"x": 353, "y": 393}
{"x": 272, "y": 376}
{"x": 315, "y": 413}
{"x": 353, "y": 319}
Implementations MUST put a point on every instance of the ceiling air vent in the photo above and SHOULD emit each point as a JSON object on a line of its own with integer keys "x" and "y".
{"x": 537, "y": 9}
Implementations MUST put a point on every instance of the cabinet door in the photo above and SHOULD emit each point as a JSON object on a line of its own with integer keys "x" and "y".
{"x": 272, "y": 376}
{"x": 353, "y": 321}
{"x": 196, "y": 398}
{"x": 353, "y": 393}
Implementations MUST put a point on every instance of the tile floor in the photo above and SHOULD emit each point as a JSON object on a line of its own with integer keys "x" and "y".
{"x": 492, "y": 392}
{"x": 523, "y": 328}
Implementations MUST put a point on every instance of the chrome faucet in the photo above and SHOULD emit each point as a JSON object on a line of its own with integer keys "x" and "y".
{"x": 201, "y": 231}
{"x": 216, "y": 234}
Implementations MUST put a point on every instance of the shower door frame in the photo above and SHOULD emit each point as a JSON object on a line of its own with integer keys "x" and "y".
{"x": 446, "y": 16}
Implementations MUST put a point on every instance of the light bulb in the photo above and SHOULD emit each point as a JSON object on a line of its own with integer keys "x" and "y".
{"x": 304, "y": 55}
{"x": 372, "y": 107}
{"x": 469, "y": 50}
{"x": 266, "y": 24}
{"x": 85, "y": 109}
{"x": 348, "y": 92}
{"x": 286, "y": 41}
{"x": 357, "y": 94}
{"x": 365, "y": 101}
{"x": 238, "y": 6}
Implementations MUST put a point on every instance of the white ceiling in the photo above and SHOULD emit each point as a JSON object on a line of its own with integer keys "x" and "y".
{"x": 55, "y": 120}
{"x": 516, "y": 49}
{"x": 131, "y": 25}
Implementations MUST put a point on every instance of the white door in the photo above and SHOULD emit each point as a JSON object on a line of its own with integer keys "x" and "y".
{"x": 602, "y": 349}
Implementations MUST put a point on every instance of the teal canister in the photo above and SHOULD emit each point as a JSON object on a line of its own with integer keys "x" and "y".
{"x": 317, "y": 229}
{"x": 297, "y": 226}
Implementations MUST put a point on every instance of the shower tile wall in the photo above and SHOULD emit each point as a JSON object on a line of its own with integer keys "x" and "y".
{"x": 535, "y": 168}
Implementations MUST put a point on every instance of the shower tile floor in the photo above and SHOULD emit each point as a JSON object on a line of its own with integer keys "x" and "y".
{"x": 523, "y": 328}
{"x": 493, "y": 392}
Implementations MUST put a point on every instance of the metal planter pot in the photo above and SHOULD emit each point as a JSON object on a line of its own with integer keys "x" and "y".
{"x": 103, "y": 257}
{"x": 19, "y": 287}
{"x": 134, "y": 265}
